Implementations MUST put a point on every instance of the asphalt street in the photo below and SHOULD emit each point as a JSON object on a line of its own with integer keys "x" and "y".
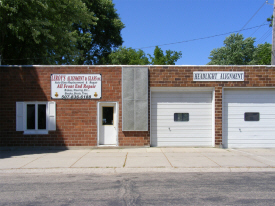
{"x": 138, "y": 189}
{"x": 137, "y": 176}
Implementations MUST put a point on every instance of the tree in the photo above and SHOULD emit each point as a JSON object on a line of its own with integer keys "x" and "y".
{"x": 40, "y": 31}
{"x": 57, "y": 32}
{"x": 270, "y": 20}
{"x": 262, "y": 55}
{"x": 105, "y": 35}
{"x": 236, "y": 51}
{"x": 129, "y": 56}
{"x": 169, "y": 58}
{"x": 240, "y": 51}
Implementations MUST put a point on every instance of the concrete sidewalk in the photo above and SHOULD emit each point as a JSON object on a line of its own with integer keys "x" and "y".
{"x": 131, "y": 160}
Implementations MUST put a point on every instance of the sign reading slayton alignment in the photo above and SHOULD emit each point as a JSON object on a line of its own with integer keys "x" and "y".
{"x": 218, "y": 76}
{"x": 76, "y": 86}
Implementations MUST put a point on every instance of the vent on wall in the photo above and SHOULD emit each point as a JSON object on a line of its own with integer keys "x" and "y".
{"x": 135, "y": 99}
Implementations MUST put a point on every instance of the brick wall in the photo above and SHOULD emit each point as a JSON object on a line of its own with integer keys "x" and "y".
{"x": 176, "y": 76}
{"x": 76, "y": 120}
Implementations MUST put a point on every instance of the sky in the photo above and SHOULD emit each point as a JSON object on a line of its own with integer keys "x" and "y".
{"x": 194, "y": 27}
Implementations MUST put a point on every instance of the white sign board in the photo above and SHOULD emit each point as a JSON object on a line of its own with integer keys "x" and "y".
{"x": 218, "y": 76}
{"x": 76, "y": 86}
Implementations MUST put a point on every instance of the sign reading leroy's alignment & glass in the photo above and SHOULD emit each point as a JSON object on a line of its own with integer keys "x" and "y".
{"x": 218, "y": 76}
{"x": 76, "y": 86}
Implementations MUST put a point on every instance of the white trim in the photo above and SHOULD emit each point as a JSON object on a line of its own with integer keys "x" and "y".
{"x": 19, "y": 116}
{"x": 213, "y": 117}
{"x": 106, "y": 145}
{"x": 150, "y": 116}
{"x": 122, "y": 98}
{"x": 24, "y": 118}
{"x": 51, "y": 117}
{"x": 181, "y": 89}
{"x": 224, "y": 144}
{"x": 35, "y": 131}
{"x": 99, "y": 105}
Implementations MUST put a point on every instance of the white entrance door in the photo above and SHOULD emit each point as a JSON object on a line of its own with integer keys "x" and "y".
{"x": 181, "y": 119}
{"x": 107, "y": 124}
{"x": 249, "y": 118}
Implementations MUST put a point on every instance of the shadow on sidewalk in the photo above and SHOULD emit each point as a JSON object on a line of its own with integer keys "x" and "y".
{"x": 16, "y": 152}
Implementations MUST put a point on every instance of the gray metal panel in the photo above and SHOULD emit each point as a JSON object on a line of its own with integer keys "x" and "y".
{"x": 128, "y": 78}
{"x": 141, "y": 115}
{"x": 127, "y": 115}
{"x": 141, "y": 84}
{"x": 135, "y": 99}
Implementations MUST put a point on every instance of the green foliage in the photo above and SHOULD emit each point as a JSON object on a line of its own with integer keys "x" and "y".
{"x": 270, "y": 20}
{"x": 240, "y": 51}
{"x": 262, "y": 55}
{"x": 129, "y": 56}
{"x": 106, "y": 34}
{"x": 57, "y": 32}
{"x": 169, "y": 58}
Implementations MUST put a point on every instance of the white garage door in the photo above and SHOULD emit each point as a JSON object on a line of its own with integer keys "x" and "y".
{"x": 181, "y": 119}
{"x": 249, "y": 118}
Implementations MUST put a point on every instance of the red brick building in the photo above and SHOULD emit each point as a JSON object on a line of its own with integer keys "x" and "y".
{"x": 65, "y": 106}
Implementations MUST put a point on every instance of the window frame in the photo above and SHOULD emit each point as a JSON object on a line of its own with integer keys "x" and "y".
{"x": 21, "y": 118}
{"x": 36, "y": 130}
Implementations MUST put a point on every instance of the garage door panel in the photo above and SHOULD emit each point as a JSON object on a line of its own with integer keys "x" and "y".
{"x": 258, "y": 145}
{"x": 237, "y": 109}
{"x": 194, "y": 121}
{"x": 171, "y": 112}
{"x": 185, "y": 95}
{"x": 181, "y": 136}
{"x": 240, "y": 123}
{"x": 248, "y": 104}
{"x": 253, "y": 138}
{"x": 244, "y": 134}
{"x": 240, "y": 115}
{"x": 248, "y": 100}
{"x": 249, "y": 131}
{"x": 187, "y": 139}
{"x": 191, "y": 114}
{"x": 169, "y": 118}
{"x": 194, "y": 125}
{"x": 167, "y": 132}
{"x": 179, "y": 105}
{"x": 182, "y": 130}
{"x": 186, "y": 144}
{"x": 254, "y": 141}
